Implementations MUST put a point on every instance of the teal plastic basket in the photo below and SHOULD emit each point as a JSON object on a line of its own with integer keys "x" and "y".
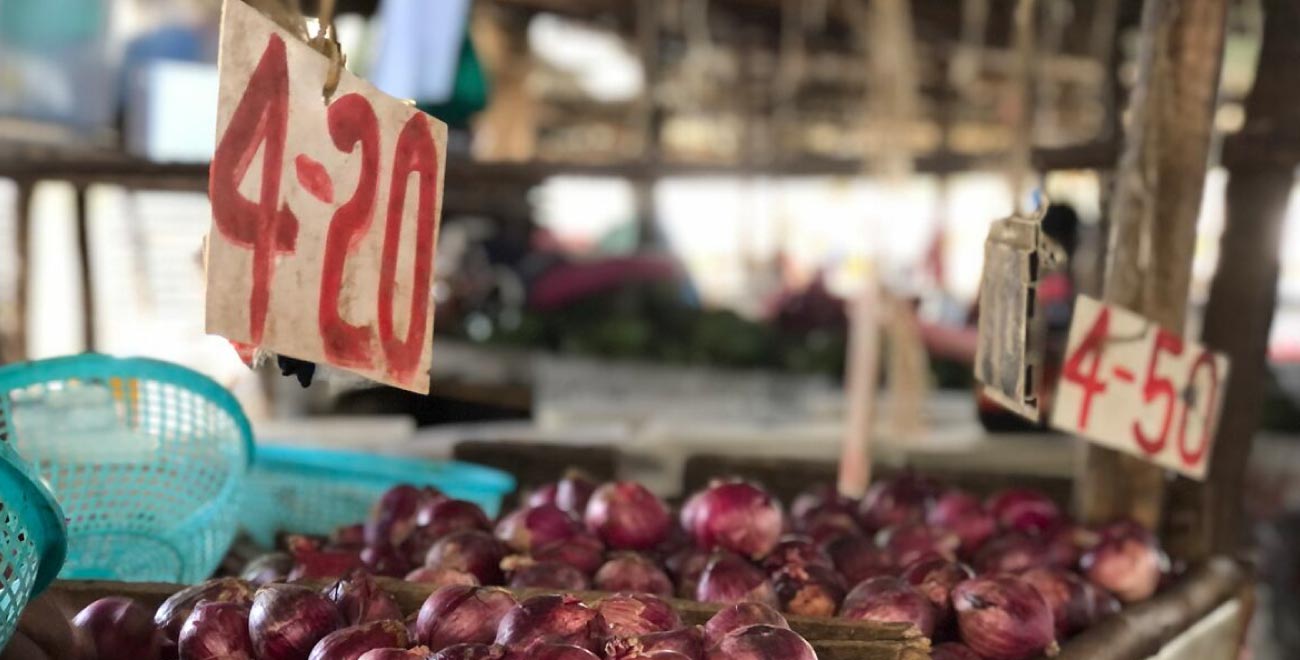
{"x": 315, "y": 491}
{"x": 32, "y": 539}
{"x": 145, "y": 457}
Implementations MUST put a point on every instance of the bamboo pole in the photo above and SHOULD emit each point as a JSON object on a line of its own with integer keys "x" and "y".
{"x": 1153, "y": 215}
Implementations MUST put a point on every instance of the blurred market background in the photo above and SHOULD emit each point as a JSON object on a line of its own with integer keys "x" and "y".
{"x": 654, "y": 213}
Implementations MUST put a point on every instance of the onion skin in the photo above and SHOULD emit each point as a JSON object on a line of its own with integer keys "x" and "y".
{"x": 1064, "y": 546}
{"x": 120, "y": 629}
{"x": 688, "y": 642}
{"x": 360, "y": 599}
{"x": 528, "y": 574}
{"x": 286, "y": 621}
{"x": 440, "y": 577}
{"x": 541, "y": 495}
{"x": 889, "y": 600}
{"x": 474, "y": 552}
{"x": 628, "y": 571}
{"x": 910, "y": 542}
{"x": 1004, "y": 618}
{"x": 462, "y": 615}
{"x": 270, "y": 567}
{"x": 794, "y": 549}
{"x": 738, "y": 616}
{"x": 393, "y": 518}
{"x": 816, "y": 501}
{"x": 469, "y": 652}
{"x": 551, "y": 620}
{"x": 636, "y": 614}
{"x": 935, "y": 578}
{"x": 809, "y": 589}
{"x": 386, "y": 561}
{"x": 1068, "y": 597}
{"x": 584, "y": 552}
{"x": 1024, "y": 510}
{"x": 825, "y": 527}
{"x": 171, "y": 615}
{"x": 964, "y": 515}
{"x": 627, "y": 516}
{"x": 685, "y": 566}
{"x": 573, "y": 492}
{"x": 729, "y": 579}
{"x": 858, "y": 559}
{"x": 657, "y": 655}
{"x": 348, "y": 537}
{"x": 310, "y": 562}
{"x": 1012, "y": 553}
{"x": 555, "y": 652}
{"x": 1129, "y": 567}
{"x": 442, "y": 517}
{"x": 216, "y": 631}
{"x": 953, "y": 651}
{"x": 904, "y": 499}
{"x": 762, "y": 642}
{"x": 738, "y": 517}
{"x": 535, "y": 527}
{"x": 1104, "y": 603}
{"x": 351, "y": 643}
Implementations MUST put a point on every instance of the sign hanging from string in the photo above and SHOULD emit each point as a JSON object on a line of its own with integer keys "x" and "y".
{"x": 326, "y": 198}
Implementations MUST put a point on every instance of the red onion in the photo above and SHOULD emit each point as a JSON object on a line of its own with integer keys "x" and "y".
{"x": 737, "y": 516}
{"x": 808, "y": 589}
{"x": 442, "y": 517}
{"x": 552, "y": 620}
{"x": 537, "y": 527}
{"x": 1130, "y": 567}
{"x": 685, "y": 566}
{"x": 896, "y": 501}
{"x": 1104, "y": 603}
{"x": 310, "y": 562}
{"x": 120, "y": 629}
{"x": 761, "y": 642}
{"x": 953, "y": 651}
{"x": 1124, "y": 528}
{"x": 1024, "y": 510}
{"x": 911, "y": 541}
{"x": 740, "y": 615}
{"x": 816, "y": 501}
{"x": 889, "y": 599}
{"x": 935, "y": 578}
{"x": 630, "y": 615}
{"x": 474, "y": 552}
{"x": 417, "y": 653}
{"x": 461, "y": 615}
{"x": 171, "y": 615}
{"x": 729, "y": 578}
{"x": 1066, "y": 545}
{"x": 553, "y": 652}
{"x": 360, "y": 599}
{"x": 629, "y": 571}
{"x": 348, "y": 537}
{"x": 688, "y": 642}
{"x": 351, "y": 643}
{"x": 1067, "y": 595}
{"x": 528, "y": 574}
{"x": 858, "y": 559}
{"x": 469, "y": 652}
{"x": 287, "y": 620}
{"x": 543, "y": 494}
{"x": 393, "y": 517}
{"x": 386, "y": 561}
{"x": 1003, "y": 618}
{"x": 216, "y": 631}
{"x": 573, "y": 492}
{"x": 792, "y": 549}
{"x": 826, "y": 527}
{"x": 657, "y": 655}
{"x": 441, "y": 577}
{"x": 584, "y": 552}
{"x": 270, "y": 567}
{"x": 963, "y": 514}
{"x": 1011, "y": 553}
{"x": 627, "y": 516}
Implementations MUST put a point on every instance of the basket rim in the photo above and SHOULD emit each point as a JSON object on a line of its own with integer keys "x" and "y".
{"x": 381, "y": 467}
{"x": 52, "y": 526}
{"x": 19, "y": 375}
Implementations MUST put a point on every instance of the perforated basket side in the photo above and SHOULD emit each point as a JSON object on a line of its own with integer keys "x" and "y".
{"x": 32, "y": 542}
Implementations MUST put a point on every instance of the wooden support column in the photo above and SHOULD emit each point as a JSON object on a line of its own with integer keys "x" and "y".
{"x": 1153, "y": 214}
{"x": 1207, "y": 518}
{"x": 87, "y": 275}
{"x": 15, "y": 345}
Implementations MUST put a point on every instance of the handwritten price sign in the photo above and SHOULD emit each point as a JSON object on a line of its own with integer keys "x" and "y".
{"x": 1133, "y": 386}
{"x": 324, "y": 216}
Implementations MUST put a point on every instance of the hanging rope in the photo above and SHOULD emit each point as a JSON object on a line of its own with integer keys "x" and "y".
{"x": 288, "y": 15}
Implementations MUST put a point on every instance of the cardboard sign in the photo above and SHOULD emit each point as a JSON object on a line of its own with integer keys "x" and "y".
{"x": 324, "y": 215}
{"x": 1136, "y": 387}
{"x": 1007, "y": 356}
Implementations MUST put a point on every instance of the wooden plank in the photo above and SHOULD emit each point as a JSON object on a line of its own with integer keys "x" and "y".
{"x": 1153, "y": 214}
{"x": 1208, "y": 518}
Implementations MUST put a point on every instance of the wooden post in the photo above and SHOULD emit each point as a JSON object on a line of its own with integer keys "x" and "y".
{"x": 15, "y": 348}
{"x": 87, "y": 274}
{"x": 1153, "y": 214}
{"x": 1206, "y": 518}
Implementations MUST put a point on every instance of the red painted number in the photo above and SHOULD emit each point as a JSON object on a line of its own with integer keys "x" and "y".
{"x": 1189, "y": 456}
{"x": 352, "y": 122}
{"x": 266, "y": 226}
{"x": 416, "y": 154}
{"x": 1089, "y": 349}
{"x": 1157, "y": 388}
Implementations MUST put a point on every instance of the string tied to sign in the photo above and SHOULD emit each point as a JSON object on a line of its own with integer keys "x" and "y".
{"x": 286, "y": 14}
